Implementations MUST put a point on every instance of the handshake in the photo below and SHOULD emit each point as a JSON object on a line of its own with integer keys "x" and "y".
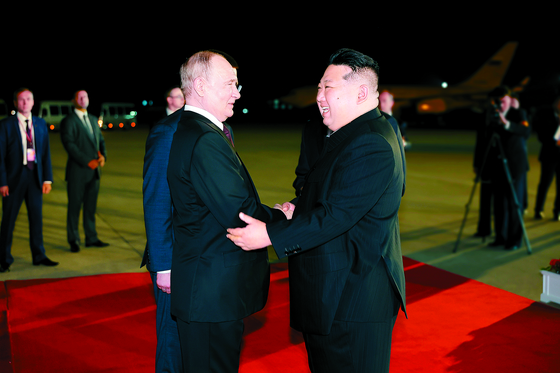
{"x": 99, "y": 162}
{"x": 287, "y": 208}
{"x": 254, "y": 236}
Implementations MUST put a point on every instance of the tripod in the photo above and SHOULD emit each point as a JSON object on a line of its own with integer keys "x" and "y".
{"x": 495, "y": 142}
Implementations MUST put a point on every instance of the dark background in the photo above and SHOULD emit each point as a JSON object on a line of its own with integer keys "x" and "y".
{"x": 135, "y": 55}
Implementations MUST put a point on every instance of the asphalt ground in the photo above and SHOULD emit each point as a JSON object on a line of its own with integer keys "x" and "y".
{"x": 439, "y": 182}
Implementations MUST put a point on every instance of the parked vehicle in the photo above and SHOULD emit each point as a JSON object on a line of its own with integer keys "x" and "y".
{"x": 115, "y": 115}
{"x": 54, "y": 111}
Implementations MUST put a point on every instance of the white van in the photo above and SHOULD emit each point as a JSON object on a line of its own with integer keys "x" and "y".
{"x": 115, "y": 115}
{"x": 54, "y": 111}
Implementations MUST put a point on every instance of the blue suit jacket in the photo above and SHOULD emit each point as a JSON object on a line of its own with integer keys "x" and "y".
{"x": 11, "y": 152}
{"x": 158, "y": 208}
{"x": 343, "y": 242}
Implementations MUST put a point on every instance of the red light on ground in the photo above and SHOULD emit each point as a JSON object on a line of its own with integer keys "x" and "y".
{"x": 132, "y": 124}
{"x": 121, "y": 125}
{"x": 110, "y": 125}
{"x": 51, "y": 127}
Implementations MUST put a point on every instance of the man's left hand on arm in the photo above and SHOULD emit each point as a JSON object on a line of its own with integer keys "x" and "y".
{"x": 253, "y": 237}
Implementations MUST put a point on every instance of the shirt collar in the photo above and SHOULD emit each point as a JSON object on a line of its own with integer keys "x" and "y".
{"x": 22, "y": 118}
{"x": 205, "y": 114}
{"x": 80, "y": 113}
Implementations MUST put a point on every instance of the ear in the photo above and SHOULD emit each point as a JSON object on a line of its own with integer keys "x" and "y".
{"x": 363, "y": 93}
{"x": 199, "y": 86}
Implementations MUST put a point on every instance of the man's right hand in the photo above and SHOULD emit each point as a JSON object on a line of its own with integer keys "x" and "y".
{"x": 5, "y": 191}
{"x": 163, "y": 282}
{"x": 93, "y": 164}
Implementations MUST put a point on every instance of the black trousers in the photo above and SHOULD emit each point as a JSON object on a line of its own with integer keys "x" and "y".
{"x": 27, "y": 190}
{"x": 168, "y": 349}
{"x": 210, "y": 347}
{"x": 82, "y": 192}
{"x": 548, "y": 171}
{"x": 351, "y": 348}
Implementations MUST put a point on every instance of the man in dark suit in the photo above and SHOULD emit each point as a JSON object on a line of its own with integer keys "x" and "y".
{"x": 512, "y": 129}
{"x": 547, "y": 123}
{"x": 175, "y": 101}
{"x": 343, "y": 243}
{"x": 215, "y": 285}
{"x": 25, "y": 174}
{"x": 85, "y": 146}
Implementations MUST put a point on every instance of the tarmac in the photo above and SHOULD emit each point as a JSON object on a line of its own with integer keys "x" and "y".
{"x": 439, "y": 181}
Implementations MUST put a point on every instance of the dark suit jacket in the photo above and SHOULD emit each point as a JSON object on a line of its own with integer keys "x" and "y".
{"x": 513, "y": 141}
{"x": 212, "y": 279}
{"x": 545, "y": 124}
{"x": 80, "y": 146}
{"x": 157, "y": 199}
{"x": 11, "y": 152}
{"x": 312, "y": 142}
{"x": 343, "y": 242}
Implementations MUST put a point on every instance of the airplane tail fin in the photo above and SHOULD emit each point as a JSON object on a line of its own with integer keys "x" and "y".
{"x": 491, "y": 74}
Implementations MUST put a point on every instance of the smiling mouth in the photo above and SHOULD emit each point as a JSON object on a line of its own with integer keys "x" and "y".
{"x": 324, "y": 110}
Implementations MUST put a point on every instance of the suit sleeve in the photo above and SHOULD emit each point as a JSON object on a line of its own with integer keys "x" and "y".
{"x": 157, "y": 199}
{"x": 359, "y": 178}
{"x": 3, "y": 153}
{"x": 217, "y": 176}
{"x": 102, "y": 148}
{"x": 46, "y": 156}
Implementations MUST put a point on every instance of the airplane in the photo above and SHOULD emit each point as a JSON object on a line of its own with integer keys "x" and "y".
{"x": 471, "y": 93}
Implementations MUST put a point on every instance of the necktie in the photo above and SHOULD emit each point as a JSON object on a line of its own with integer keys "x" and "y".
{"x": 88, "y": 125}
{"x": 30, "y": 153}
{"x": 228, "y": 134}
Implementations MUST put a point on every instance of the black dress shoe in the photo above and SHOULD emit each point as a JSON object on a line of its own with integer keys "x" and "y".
{"x": 46, "y": 262}
{"x": 97, "y": 243}
{"x": 4, "y": 268}
{"x": 74, "y": 247}
{"x": 539, "y": 215}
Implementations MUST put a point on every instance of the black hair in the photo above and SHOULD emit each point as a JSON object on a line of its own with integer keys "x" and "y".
{"x": 355, "y": 60}
{"x": 499, "y": 92}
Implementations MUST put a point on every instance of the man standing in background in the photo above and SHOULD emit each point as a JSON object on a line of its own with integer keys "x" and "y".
{"x": 85, "y": 146}
{"x": 25, "y": 174}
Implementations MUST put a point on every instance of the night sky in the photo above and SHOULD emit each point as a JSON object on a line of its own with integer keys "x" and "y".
{"x": 140, "y": 61}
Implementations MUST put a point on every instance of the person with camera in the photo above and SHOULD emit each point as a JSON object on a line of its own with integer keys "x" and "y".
{"x": 501, "y": 157}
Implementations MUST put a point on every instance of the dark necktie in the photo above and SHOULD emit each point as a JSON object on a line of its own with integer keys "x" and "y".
{"x": 30, "y": 154}
{"x": 226, "y": 131}
{"x": 88, "y": 125}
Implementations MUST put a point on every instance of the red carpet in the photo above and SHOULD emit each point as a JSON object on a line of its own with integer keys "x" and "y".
{"x": 106, "y": 323}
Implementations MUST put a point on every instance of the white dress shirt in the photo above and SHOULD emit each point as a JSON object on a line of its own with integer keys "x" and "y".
{"x": 23, "y": 130}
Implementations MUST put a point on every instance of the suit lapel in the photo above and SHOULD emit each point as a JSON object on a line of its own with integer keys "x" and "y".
{"x": 37, "y": 130}
{"x": 92, "y": 139}
{"x": 15, "y": 125}
{"x": 243, "y": 169}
